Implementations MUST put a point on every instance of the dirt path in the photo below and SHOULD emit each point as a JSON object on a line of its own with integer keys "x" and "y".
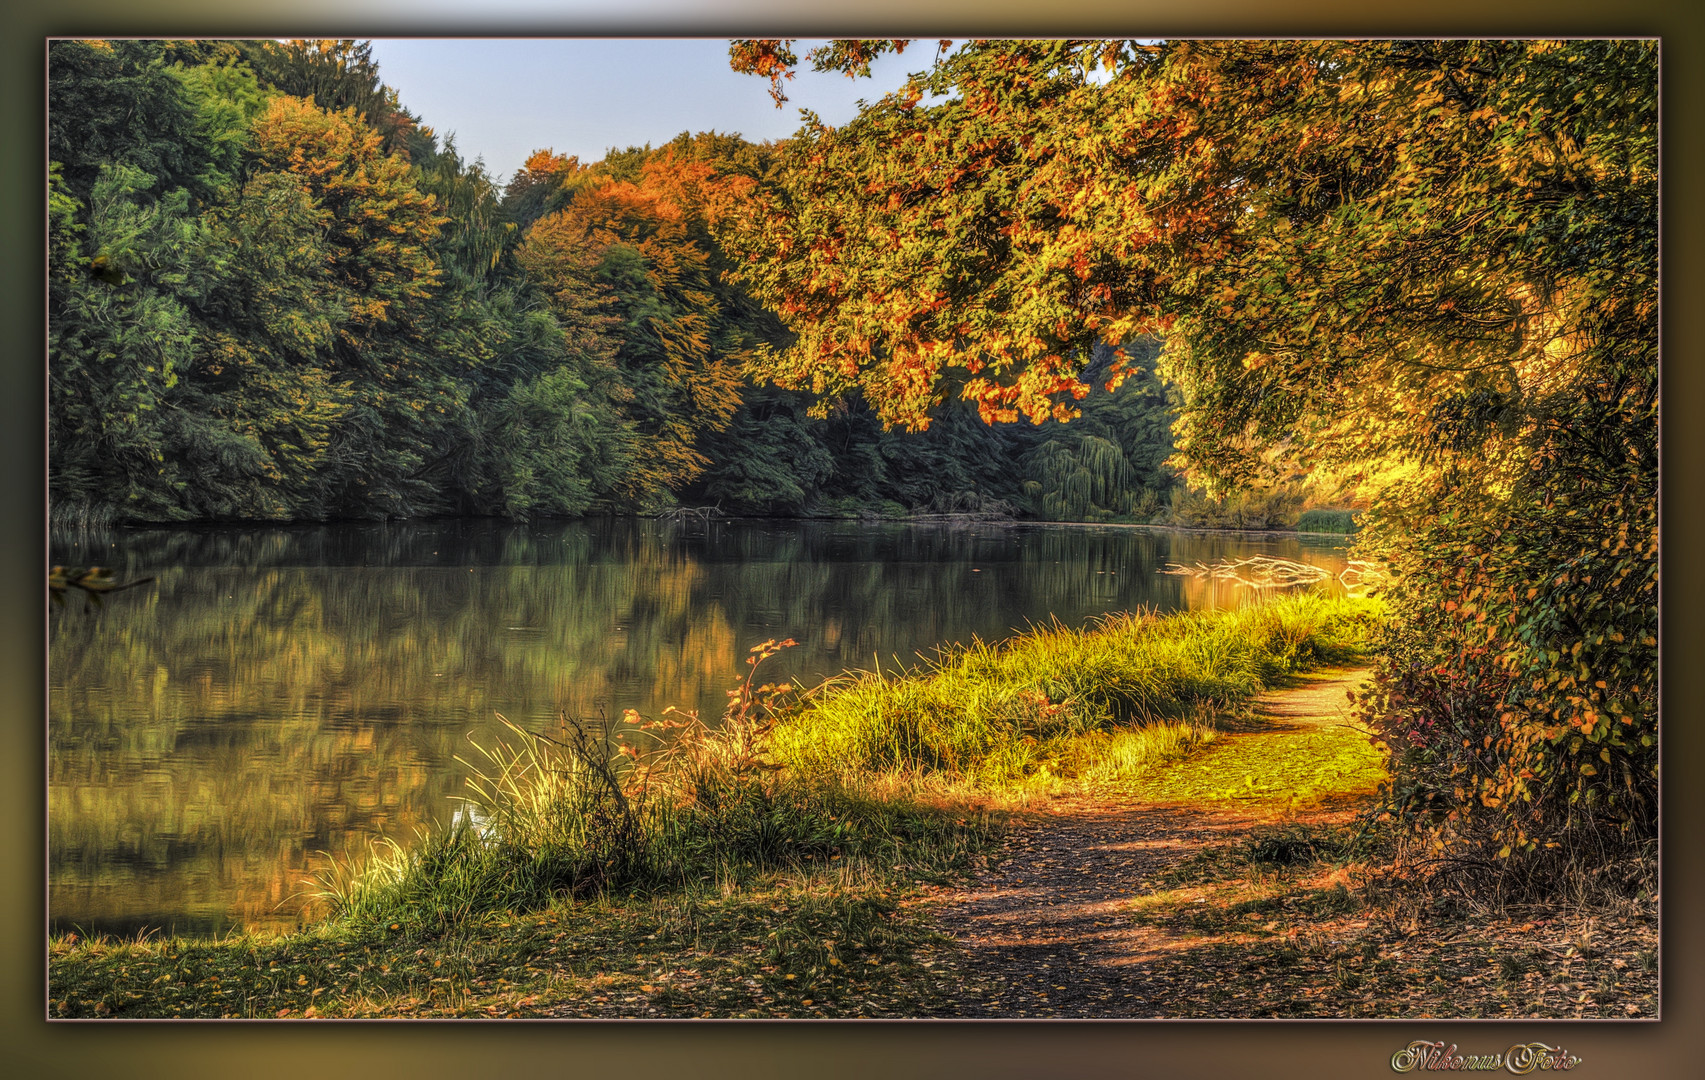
{"x": 1046, "y": 930}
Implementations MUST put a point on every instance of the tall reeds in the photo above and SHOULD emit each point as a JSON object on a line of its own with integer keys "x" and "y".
{"x": 584, "y": 811}
{"x": 850, "y": 773}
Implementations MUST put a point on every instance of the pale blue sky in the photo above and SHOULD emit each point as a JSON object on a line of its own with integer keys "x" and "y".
{"x": 504, "y": 98}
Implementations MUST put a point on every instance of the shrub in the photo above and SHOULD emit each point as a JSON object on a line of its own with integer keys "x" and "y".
{"x": 1323, "y": 520}
{"x": 1516, "y": 691}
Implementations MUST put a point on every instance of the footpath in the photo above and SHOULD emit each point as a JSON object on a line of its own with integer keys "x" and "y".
{"x": 1048, "y": 930}
{"x": 1214, "y": 889}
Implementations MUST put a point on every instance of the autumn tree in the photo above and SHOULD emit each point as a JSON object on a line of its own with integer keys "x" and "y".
{"x": 680, "y": 361}
{"x": 1429, "y": 263}
{"x": 540, "y": 186}
{"x": 961, "y": 249}
{"x": 381, "y": 230}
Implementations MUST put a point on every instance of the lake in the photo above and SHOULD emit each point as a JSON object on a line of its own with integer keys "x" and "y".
{"x": 278, "y": 697}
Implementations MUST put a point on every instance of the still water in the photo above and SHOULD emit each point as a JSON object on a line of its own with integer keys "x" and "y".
{"x": 277, "y": 697}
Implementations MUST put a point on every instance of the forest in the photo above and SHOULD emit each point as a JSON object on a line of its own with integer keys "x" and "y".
{"x": 1219, "y": 283}
{"x": 278, "y": 295}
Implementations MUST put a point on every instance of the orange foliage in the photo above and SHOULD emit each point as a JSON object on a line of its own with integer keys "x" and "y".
{"x": 665, "y": 219}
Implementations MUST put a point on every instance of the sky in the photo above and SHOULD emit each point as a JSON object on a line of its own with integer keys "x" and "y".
{"x": 503, "y": 99}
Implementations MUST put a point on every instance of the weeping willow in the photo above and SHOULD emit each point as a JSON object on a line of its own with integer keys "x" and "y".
{"x": 1088, "y": 479}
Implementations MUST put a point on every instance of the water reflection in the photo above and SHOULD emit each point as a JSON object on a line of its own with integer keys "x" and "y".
{"x": 281, "y": 695}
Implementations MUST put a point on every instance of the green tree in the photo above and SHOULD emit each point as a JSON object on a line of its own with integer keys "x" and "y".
{"x": 770, "y": 459}
{"x": 336, "y": 74}
{"x": 226, "y": 97}
{"x": 118, "y": 103}
{"x": 127, "y": 324}
{"x": 1110, "y": 462}
{"x": 262, "y": 404}
{"x": 119, "y": 337}
{"x": 564, "y": 451}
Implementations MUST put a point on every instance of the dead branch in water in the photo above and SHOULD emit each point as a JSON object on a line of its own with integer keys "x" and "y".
{"x": 94, "y": 582}
{"x": 1272, "y": 572}
{"x": 700, "y": 514}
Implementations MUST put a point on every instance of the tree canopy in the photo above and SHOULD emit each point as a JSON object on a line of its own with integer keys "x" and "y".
{"x": 277, "y": 294}
{"x": 1428, "y": 265}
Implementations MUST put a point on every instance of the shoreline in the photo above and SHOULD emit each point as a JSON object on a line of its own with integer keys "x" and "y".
{"x": 1239, "y": 905}
{"x": 914, "y": 519}
{"x": 862, "y": 843}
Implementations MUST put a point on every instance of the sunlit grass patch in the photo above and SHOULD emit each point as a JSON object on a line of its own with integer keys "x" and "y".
{"x": 1281, "y": 771}
{"x": 1038, "y": 707}
{"x": 1133, "y": 752}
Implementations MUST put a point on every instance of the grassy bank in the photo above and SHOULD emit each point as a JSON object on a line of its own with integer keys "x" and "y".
{"x": 762, "y": 866}
{"x": 1132, "y": 692}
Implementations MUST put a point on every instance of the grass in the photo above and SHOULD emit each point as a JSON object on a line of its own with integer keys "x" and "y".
{"x": 1042, "y": 705}
{"x": 1329, "y": 765}
{"x": 764, "y": 866}
{"x": 833, "y": 943}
